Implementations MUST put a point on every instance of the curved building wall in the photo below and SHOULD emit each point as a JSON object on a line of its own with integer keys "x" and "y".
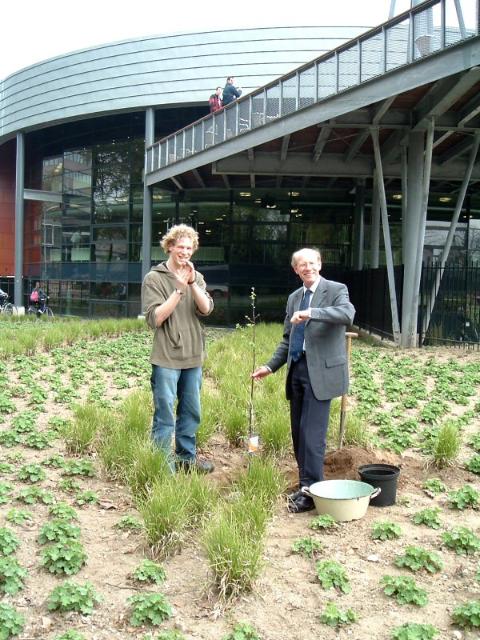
{"x": 155, "y": 71}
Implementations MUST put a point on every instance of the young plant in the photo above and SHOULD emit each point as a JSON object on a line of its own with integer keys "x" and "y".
{"x": 465, "y": 497}
{"x": 58, "y": 531}
{"x": 168, "y": 634}
{"x": 31, "y": 473}
{"x": 78, "y": 468}
{"x": 324, "y": 522}
{"x": 11, "y": 622}
{"x": 434, "y": 486}
{"x": 8, "y": 542}
{"x": 416, "y": 558}
{"x": 386, "y": 531}
{"x": 63, "y": 511}
{"x": 429, "y": 517}
{"x": 473, "y": 464}
{"x": 86, "y": 497}
{"x": 32, "y": 495}
{"x": 152, "y": 608}
{"x": 462, "y": 540}
{"x": 19, "y": 516}
{"x": 64, "y": 558}
{"x": 72, "y": 596}
{"x": 242, "y": 631}
{"x": 467, "y": 615}
{"x": 11, "y": 576}
{"x": 129, "y": 523}
{"x": 307, "y": 546}
{"x": 149, "y": 571}
{"x": 331, "y": 574}
{"x": 71, "y": 635}
{"x": 447, "y": 445}
{"x": 415, "y": 631}
{"x": 335, "y": 617}
{"x": 404, "y": 590}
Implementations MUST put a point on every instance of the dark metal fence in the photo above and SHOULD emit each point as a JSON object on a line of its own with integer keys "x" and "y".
{"x": 450, "y": 306}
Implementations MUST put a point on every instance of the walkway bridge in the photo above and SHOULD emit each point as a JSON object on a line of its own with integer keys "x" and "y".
{"x": 398, "y": 105}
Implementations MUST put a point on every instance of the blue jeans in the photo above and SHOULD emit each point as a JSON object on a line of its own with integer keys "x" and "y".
{"x": 169, "y": 385}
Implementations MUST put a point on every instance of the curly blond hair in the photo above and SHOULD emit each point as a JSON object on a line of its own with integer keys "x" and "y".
{"x": 174, "y": 234}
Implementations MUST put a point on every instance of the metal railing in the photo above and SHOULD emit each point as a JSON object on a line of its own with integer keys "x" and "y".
{"x": 414, "y": 34}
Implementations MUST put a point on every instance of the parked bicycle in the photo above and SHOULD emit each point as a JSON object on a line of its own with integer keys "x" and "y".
{"x": 7, "y": 308}
{"x": 40, "y": 308}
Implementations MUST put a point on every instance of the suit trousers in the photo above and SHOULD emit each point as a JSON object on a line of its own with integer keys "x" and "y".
{"x": 309, "y": 423}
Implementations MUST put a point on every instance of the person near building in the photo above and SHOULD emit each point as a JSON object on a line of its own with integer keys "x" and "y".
{"x": 174, "y": 297}
{"x": 215, "y": 100}
{"x": 230, "y": 91}
{"x": 38, "y": 298}
{"x": 314, "y": 349}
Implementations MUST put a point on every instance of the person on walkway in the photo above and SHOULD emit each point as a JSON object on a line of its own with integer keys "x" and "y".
{"x": 230, "y": 91}
{"x": 174, "y": 295}
{"x": 314, "y": 350}
{"x": 215, "y": 100}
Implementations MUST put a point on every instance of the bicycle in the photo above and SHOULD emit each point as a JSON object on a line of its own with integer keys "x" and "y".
{"x": 7, "y": 308}
{"x": 39, "y": 309}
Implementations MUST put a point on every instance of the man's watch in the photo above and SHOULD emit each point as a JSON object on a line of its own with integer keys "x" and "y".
{"x": 179, "y": 291}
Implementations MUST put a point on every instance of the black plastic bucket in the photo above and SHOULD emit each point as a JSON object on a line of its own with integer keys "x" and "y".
{"x": 384, "y": 476}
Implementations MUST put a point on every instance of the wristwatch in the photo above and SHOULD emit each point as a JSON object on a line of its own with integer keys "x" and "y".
{"x": 179, "y": 291}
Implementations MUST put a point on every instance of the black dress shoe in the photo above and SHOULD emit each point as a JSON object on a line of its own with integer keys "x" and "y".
{"x": 301, "y": 504}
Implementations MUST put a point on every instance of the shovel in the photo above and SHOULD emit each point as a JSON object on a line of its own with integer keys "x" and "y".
{"x": 343, "y": 407}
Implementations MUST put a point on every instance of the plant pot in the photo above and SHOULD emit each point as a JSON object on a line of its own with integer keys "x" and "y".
{"x": 342, "y": 499}
{"x": 384, "y": 476}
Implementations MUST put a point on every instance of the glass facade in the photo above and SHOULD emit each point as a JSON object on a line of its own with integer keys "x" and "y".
{"x": 84, "y": 242}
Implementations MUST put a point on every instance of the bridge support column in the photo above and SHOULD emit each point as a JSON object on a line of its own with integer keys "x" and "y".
{"x": 19, "y": 220}
{"x": 147, "y": 199}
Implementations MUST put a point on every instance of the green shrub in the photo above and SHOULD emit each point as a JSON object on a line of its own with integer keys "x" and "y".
{"x": 335, "y": 617}
{"x": 467, "y": 615}
{"x": 149, "y": 571}
{"x": 11, "y": 622}
{"x": 242, "y": 631}
{"x": 11, "y": 575}
{"x": 151, "y": 608}
{"x": 9, "y": 542}
{"x": 64, "y": 558}
{"x": 307, "y": 546}
{"x": 428, "y": 517}
{"x": 462, "y": 540}
{"x": 414, "y": 631}
{"x": 331, "y": 575}
{"x": 72, "y": 596}
{"x": 404, "y": 590}
{"x": 385, "y": 531}
{"x": 465, "y": 497}
{"x": 416, "y": 558}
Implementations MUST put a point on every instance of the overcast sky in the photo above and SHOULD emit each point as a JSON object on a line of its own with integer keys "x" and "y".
{"x": 33, "y": 30}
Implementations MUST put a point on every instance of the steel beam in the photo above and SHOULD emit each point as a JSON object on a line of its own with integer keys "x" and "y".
{"x": 375, "y": 226}
{"x": 147, "y": 199}
{"x": 386, "y": 237}
{"x": 19, "y": 220}
{"x": 359, "y": 225}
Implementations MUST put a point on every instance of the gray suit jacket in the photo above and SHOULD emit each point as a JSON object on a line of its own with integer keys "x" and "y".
{"x": 325, "y": 349}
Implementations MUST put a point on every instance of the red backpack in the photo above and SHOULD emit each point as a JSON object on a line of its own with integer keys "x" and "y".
{"x": 34, "y": 296}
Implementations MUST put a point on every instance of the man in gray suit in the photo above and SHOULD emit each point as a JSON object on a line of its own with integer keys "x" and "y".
{"x": 313, "y": 347}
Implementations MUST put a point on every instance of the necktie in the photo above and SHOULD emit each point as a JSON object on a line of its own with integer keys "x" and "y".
{"x": 298, "y": 336}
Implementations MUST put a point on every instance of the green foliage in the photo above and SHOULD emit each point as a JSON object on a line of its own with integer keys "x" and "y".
{"x": 11, "y": 622}
{"x": 307, "y": 546}
{"x": 416, "y": 558}
{"x": 32, "y": 495}
{"x": 56, "y": 461}
{"x": 467, "y": 615}
{"x": 37, "y": 440}
{"x": 466, "y": 496}
{"x": 62, "y": 511}
{"x": 447, "y": 445}
{"x": 129, "y": 523}
{"x": 59, "y": 530}
{"x": 404, "y": 590}
{"x": 331, "y": 574}
{"x": 462, "y": 540}
{"x": 428, "y": 517}
{"x": 78, "y": 468}
{"x": 473, "y": 464}
{"x": 71, "y": 635}
{"x": 11, "y": 575}
{"x": 9, "y": 542}
{"x": 386, "y": 531}
{"x": 73, "y": 596}
{"x": 64, "y": 558}
{"x": 168, "y": 634}
{"x": 152, "y": 608}
{"x": 19, "y": 516}
{"x": 415, "y": 631}
{"x": 435, "y": 486}
{"x": 86, "y": 497}
{"x": 335, "y": 617}
{"x": 242, "y": 631}
{"x": 149, "y": 571}
{"x": 31, "y": 473}
{"x": 323, "y": 523}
